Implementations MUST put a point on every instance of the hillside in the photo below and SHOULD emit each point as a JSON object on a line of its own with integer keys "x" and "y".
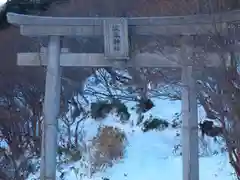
{"x": 149, "y": 155}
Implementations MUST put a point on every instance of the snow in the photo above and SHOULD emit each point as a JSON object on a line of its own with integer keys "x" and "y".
{"x": 3, "y": 144}
{"x": 149, "y": 156}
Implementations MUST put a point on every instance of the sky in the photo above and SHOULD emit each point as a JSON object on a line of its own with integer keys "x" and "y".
{"x": 2, "y": 2}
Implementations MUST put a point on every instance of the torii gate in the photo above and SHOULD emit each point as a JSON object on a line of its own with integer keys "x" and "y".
{"x": 116, "y": 49}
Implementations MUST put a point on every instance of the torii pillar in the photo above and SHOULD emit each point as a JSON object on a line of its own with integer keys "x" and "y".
{"x": 115, "y": 32}
{"x": 51, "y": 110}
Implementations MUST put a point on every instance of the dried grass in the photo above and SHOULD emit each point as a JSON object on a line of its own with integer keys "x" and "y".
{"x": 109, "y": 146}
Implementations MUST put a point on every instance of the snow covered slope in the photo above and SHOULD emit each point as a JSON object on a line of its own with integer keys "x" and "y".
{"x": 149, "y": 156}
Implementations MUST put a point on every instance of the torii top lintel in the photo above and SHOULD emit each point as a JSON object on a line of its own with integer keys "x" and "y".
{"x": 91, "y": 26}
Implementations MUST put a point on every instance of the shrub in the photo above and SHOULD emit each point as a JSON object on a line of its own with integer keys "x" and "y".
{"x": 109, "y": 145}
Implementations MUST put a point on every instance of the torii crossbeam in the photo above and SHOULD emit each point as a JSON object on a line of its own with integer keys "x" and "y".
{"x": 116, "y": 46}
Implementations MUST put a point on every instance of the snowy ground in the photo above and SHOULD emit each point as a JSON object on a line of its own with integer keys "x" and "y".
{"x": 149, "y": 156}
